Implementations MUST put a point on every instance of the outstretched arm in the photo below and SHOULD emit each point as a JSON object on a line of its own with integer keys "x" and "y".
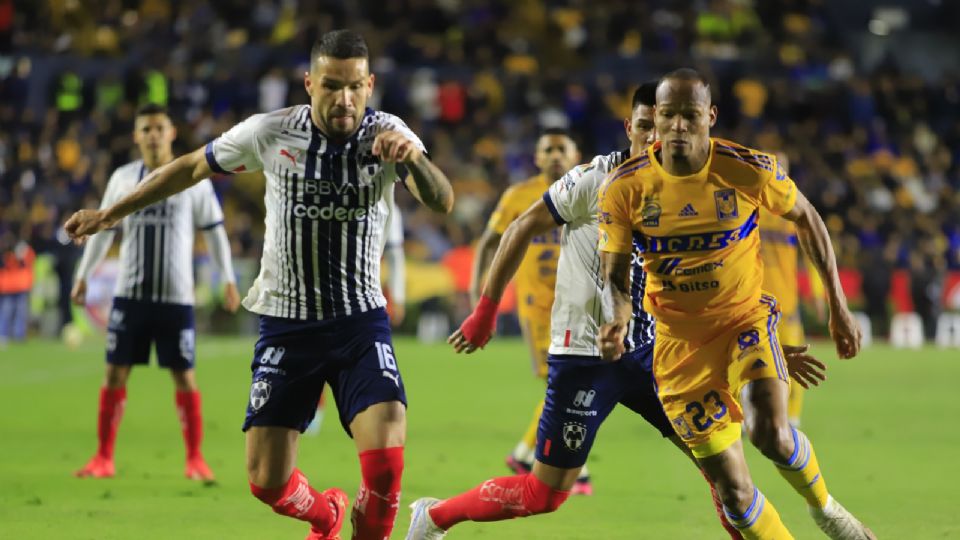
{"x": 616, "y": 292}
{"x": 815, "y": 243}
{"x": 486, "y": 248}
{"x": 171, "y": 178}
{"x": 476, "y": 330}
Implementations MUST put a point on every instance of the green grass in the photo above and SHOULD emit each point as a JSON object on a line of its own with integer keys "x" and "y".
{"x": 881, "y": 427}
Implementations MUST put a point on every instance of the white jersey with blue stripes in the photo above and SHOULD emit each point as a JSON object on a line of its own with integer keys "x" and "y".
{"x": 156, "y": 252}
{"x": 578, "y": 307}
{"x": 327, "y": 205}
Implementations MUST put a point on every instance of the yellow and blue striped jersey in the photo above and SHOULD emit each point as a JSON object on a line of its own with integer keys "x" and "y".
{"x": 697, "y": 233}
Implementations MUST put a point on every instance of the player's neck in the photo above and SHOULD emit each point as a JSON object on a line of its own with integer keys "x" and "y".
{"x": 157, "y": 161}
{"x": 339, "y": 139}
{"x": 684, "y": 166}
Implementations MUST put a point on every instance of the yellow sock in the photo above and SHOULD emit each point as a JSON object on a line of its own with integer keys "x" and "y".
{"x": 795, "y": 403}
{"x": 803, "y": 472}
{"x": 530, "y": 436}
{"x": 760, "y": 522}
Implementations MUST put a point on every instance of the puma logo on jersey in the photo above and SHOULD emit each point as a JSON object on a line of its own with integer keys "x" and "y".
{"x": 292, "y": 157}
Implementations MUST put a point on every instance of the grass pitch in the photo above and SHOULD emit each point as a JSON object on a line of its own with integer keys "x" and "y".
{"x": 881, "y": 426}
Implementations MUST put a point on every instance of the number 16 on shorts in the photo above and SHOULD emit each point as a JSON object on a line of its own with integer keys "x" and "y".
{"x": 388, "y": 362}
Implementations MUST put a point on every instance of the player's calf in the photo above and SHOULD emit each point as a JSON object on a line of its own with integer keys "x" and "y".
{"x": 297, "y": 499}
{"x": 498, "y": 499}
{"x": 375, "y": 509}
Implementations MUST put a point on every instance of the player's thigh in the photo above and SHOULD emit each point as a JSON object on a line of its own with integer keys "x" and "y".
{"x": 271, "y": 455}
{"x": 289, "y": 369}
{"x": 367, "y": 380}
{"x": 639, "y": 392}
{"x": 695, "y": 393}
{"x": 535, "y": 327}
{"x": 729, "y": 473}
{"x": 175, "y": 337}
{"x": 579, "y": 398}
{"x": 557, "y": 478}
{"x": 129, "y": 333}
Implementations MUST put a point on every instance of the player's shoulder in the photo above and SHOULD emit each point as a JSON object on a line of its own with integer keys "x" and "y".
{"x": 620, "y": 179}
{"x": 737, "y": 163}
{"x": 127, "y": 171}
{"x": 296, "y": 117}
{"x": 383, "y": 121}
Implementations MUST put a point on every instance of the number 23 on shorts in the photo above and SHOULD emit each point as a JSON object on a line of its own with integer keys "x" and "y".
{"x": 701, "y": 415}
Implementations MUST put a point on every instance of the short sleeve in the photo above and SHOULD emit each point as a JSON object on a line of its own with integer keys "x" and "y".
{"x": 112, "y": 192}
{"x": 236, "y": 150}
{"x": 207, "y": 213}
{"x": 615, "y": 217}
{"x": 572, "y": 197}
{"x": 779, "y": 194}
{"x": 506, "y": 211}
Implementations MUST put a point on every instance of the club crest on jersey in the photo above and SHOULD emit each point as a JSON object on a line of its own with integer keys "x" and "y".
{"x": 574, "y": 433}
{"x": 726, "y": 200}
{"x": 651, "y": 213}
{"x": 259, "y": 394}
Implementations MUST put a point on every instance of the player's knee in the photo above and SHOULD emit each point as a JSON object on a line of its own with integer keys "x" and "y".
{"x": 735, "y": 496}
{"x": 773, "y": 439}
{"x": 541, "y": 498}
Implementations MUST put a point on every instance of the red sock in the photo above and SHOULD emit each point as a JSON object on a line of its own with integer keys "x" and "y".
{"x": 498, "y": 499}
{"x": 191, "y": 421}
{"x": 375, "y": 510}
{"x": 298, "y": 500}
{"x": 112, "y": 401}
{"x": 718, "y": 506}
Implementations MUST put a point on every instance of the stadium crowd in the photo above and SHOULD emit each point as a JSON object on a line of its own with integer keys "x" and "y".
{"x": 876, "y": 147}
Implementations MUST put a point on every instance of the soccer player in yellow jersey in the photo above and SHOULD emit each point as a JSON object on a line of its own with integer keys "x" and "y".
{"x": 556, "y": 153}
{"x": 692, "y": 203}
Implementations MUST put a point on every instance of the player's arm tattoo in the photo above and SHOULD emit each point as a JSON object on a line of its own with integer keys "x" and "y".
{"x": 432, "y": 186}
{"x": 616, "y": 289}
{"x": 814, "y": 240}
{"x": 161, "y": 183}
{"x": 516, "y": 239}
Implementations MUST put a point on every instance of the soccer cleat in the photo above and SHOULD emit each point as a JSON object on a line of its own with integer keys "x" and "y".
{"x": 97, "y": 467}
{"x": 422, "y": 526}
{"x": 197, "y": 469}
{"x": 517, "y": 466}
{"x": 582, "y": 486}
{"x": 839, "y": 524}
{"x": 338, "y": 500}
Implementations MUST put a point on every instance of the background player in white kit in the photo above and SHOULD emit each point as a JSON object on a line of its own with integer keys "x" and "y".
{"x": 153, "y": 296}
{"x": 330, "y": 169}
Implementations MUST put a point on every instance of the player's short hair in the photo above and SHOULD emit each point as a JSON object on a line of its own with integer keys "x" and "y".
{"x": 151, "y": 108}
{"x": 689, "y": 75}
{"x": 645, "y": 94}
{"x": 559, "y": 132}
{"x": 340, "y": 44}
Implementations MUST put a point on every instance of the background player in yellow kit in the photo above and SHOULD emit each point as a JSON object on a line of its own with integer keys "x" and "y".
{"x": 778, "y": 250}
{"x": 692, "y": 203}
{"x": 556, "y": 153}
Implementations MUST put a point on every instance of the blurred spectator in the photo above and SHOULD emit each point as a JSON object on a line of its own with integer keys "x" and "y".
{"x": 16, "y": 280}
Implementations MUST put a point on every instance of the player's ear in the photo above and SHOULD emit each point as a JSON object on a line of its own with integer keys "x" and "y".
{"x": 370, "y": 82}
{"x": 628, "y": 127}
{"x": 713, "y": 115}
{"x": 308, "y": 83}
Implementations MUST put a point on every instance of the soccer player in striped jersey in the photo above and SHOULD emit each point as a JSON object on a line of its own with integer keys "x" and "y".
{"x": 555, "y": 154}
{"x": 692, "y": 202}
{"x": 331, "y": 168}
{"x": 153, "y": 296}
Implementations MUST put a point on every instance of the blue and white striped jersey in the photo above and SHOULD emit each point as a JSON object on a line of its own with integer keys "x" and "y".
{"x": 327, "y": 205}
{"x": 578, "y": 308}
{"x": 156, "y": 252}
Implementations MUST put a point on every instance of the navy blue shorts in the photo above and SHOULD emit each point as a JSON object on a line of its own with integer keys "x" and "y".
{"x": 134, "y": 325}
{"x": 293, "y": 359}
{"x": 581, "y": 393}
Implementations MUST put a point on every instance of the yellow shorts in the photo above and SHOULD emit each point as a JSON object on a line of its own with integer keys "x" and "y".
{"x": 791, "y": 328}
{"x": 699, "y": 380}
{"x": 536, "y": 332}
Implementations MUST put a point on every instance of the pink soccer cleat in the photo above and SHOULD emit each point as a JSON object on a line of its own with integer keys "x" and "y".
{"x": 197, "y": 469}
{"x": 339, "y": 502}
{"x": 97, "y": 467}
